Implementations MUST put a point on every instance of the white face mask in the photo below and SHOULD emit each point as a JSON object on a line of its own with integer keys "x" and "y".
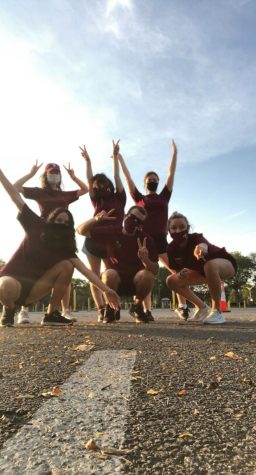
{"x": 53, "y": 179}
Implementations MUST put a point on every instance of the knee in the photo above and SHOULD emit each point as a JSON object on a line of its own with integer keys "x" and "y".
{"x": 10, "y": 290}
{"x": 144, "y": 277}
{"x": 110, "y": 277}
{"x": 172, "y": 282}
{"x": 67, "y": 268}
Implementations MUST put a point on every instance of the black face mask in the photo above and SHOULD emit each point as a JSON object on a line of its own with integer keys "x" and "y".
{"x": 152, "y": 186}
{"x": 59, "y": 236}
{"x": 102, "y": 192}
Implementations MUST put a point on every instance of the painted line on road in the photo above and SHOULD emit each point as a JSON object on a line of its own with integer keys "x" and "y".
{"x": 94, "y": 405}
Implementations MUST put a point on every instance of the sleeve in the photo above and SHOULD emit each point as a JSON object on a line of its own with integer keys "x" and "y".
{"x": 121, "y": 196}
{"x": 137, "y": 197}
{"x": 199, "y": 239}
{"x": 166, "y": 193}
{"x": 70, "y": 196}
{"x": 28, "y": 219}
{"x": 32, "y": 193}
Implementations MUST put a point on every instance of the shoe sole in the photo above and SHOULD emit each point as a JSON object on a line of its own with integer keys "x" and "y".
{"x": 209, "y": 322}
{"x": 7, "y": 325}
{"x": 23, "y": 323}
{"x": 56, "y": 324}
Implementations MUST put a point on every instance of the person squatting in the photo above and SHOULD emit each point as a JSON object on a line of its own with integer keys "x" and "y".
{"x": 127, "y": 245}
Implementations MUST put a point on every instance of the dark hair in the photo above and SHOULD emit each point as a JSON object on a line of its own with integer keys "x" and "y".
{"x": 178, "y": 215}
{"x": 139, "y": 208}
{"x": 101, "y": 177}
{"x": 53, "y": 215}
{"x": 45, "y": 184}
{"x": 150, "y": 173}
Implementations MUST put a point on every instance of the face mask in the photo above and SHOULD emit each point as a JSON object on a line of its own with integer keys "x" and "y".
{"x": 131, "y": 223}
{"x": 59, "y": 236}
{"x": 179, "y": 237}
{"x": 152, "y": 185}
{"x": 53, "y": 179}
{"x": 102, "y": 192}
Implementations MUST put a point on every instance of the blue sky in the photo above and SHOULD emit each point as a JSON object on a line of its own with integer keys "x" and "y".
{"x": 142, "y": 71}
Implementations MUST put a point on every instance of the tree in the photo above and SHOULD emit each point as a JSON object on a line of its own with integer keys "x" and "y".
{"x": 246, "y": 268}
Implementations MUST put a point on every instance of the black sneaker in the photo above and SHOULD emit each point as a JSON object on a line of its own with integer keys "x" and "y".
{"x": 55, "y": 318}
{"x": 109, "y": 315}
{"x": 7, "y": 317}
{"x": 149, "y": 316}
{"x": 117, "y": 314}
{"x": 101, "y": 312}
{"x": 137, "y": 312}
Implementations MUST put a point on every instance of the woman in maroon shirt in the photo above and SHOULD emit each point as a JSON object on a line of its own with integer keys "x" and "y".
{"x": 48, "y": 197}
{"x": 44, "y": 261}
{"x": 104, "y": 197}
{"x": 156, "y": 205}
{"x": 195, "y": 261}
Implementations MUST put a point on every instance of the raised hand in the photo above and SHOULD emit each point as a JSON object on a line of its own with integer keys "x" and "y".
{"x": 174, "y": 148}
{"x": 84, "y": 153}
{"x": 116, "y": 147}
{"x": 142, "y": 249}
{"x": 70, "y": 171}
{"x": 35, "y": 168}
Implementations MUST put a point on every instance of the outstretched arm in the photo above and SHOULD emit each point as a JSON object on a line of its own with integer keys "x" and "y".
{"x": 110, "y": 295}
{"x": 172, "y": 167}
{"x": 83, "y": 187}
{"x": 129, "y": 180}
{"x": 89, "y": 173}
{"x": 118, "y": 182}
{"x": 12, "y": 191}
{"x": 19, "y": 183}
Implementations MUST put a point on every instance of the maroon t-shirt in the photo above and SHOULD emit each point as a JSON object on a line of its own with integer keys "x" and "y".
{"x": 48, "y": 200}
{"x": 115, "y": 201}
{"x": 123, "y": 249}
{"x": 180, "y": 258}
{"x": 32, "y": 259}
{"x": 156, "y": 205}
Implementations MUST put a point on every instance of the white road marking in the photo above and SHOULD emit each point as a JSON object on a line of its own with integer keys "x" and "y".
{"x": 93, "y": 405}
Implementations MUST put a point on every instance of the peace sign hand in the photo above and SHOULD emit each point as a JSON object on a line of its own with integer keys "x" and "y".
{"x": 84, "y": 153}
{"x": 35, "y": 168}
{"x": 142, "y": 249}
{"x": 70, "y": 171}
{"x": 174, "y": 148}
{"x": 116, "y": 147}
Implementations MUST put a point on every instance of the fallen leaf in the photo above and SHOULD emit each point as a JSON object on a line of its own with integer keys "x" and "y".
{"x": 153, "y": 392}
{"x": 212, "y": 358}
{"x": 83, "y": 347}
{"x": 196, "y": 412}
{"x": 91, "y": 395}
{"x": 186, "y": 434}
{"x": 134, "y": 378}
{"x": 182, "y": 392}
{"x": 57, "y": 391}
{"x": 98, "y": 434}
{"x": 173, "y": 353}
{"x": 231, "y": 354}
{"x": 91, "y": 445}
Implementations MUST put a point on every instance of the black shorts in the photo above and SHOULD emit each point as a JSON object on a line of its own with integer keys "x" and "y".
{"x": 93, "y": 247}
{"x": 126, "y": 287}
{"x": 160, "y": 241}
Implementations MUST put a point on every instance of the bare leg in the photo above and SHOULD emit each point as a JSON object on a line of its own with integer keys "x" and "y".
{"x": 217, "y": 270}
{"x": 56, "y": 279}
{"x": 111, "y": 278}
{"x": 144, "y": 282}
{"x": 181, "y": 286}
{"x": 10, "y": 290}
{"x": 95, "y": 266}
{"x": 65, "y": 302}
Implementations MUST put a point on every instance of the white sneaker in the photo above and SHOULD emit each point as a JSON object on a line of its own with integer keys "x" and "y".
{"x": 200, "y": 314}
{"x": 215, "y": 317}
{"x": 183, "y": 313}
{"x": 69, "y": 315}
{"x": 23, "y": 317}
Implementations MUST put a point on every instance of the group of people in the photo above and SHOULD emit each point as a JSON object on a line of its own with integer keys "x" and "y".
{"x": 128, "y": 246}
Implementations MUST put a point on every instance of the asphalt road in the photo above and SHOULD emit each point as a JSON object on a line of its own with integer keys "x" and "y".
{"x": 176, "y": 398}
